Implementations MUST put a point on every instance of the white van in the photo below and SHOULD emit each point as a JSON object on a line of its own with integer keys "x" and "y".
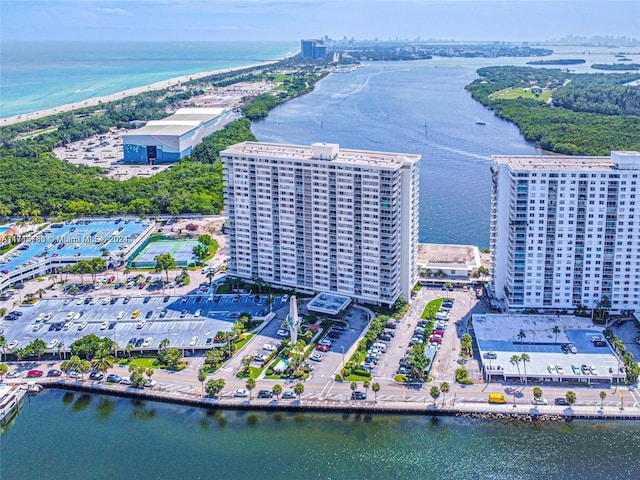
{"x": 442, "y": 316}
{"x": 379, "y": 346}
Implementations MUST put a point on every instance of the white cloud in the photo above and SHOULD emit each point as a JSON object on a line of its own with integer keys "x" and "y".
{"x": 114, "y": 11}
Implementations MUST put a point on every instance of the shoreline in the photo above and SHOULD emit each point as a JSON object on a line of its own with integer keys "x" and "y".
{"x": 481, "y": 412}
{"x": 160, "y": 85}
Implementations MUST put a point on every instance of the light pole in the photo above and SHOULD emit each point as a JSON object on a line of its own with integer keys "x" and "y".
{"x": 342, "y": 357}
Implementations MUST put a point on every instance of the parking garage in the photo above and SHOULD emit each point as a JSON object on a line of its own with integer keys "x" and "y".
{"x": 575, "y": 351}
{"x": 190, "y": 321}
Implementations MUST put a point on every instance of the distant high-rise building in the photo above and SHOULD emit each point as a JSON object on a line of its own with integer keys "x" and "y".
{"x": 314, "y": 49}
{"x": 565, "y": 231}
{"x": 323, "y": 219}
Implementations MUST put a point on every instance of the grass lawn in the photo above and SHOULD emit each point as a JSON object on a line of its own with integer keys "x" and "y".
{"x": 244, "y": 341}
{"x": 357, "y": 378}
{"x": 146, "y": 362}
{"x": 513, "y": 93}
{"x": 255, "y": 372}
{"x": 431, "y": 308}
{"x": 400, "y": 378}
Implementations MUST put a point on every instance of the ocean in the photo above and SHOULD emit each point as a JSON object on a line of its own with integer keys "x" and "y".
{"x": 35, "y": 76}
{"x": 64, "y": 435}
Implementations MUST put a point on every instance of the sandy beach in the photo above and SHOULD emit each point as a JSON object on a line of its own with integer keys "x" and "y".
{"x": 119, "y": 95}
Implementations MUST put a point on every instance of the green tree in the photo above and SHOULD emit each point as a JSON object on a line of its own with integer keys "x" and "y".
{"x": 444, "y": 388}
{"x": 250, "y": 385}
{"x": 376, "y": 388}
{"x": 435, "y": 393}
{"x": 277, "y": 390}
{"x": 298, "y": 389}
{"x": 103, "y": 361}
{"x": 214, "y": 387}
{"x": 537, "y": 393}
{"x": 524, "y": 358}
{"x": 515, "y": 360}
{"x": 603, "y": 395}
{"x": 570, "y": 397}
{"x": 521, "y": 335}
{"x": 417, "y": 362}
{"x": 202, "y": 376}
{"x": 164, "y": 263}
{"x": 3, "y": 346}
{"x": 4, "y": 368}
{"x": 37, "y": 347}
{"x": 200, "y": 251}
{"x": 354, "y": 386}
{"x": 556, "y": 330}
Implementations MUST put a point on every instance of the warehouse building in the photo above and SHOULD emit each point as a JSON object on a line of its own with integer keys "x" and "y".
{"x": 170, "y": 139}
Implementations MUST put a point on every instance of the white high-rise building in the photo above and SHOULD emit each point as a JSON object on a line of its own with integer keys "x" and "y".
{"x": 565, "y": 231}
{"x": 323, "y": 219}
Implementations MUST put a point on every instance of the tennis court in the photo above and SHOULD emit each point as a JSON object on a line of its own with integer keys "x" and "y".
{"x": 180, "y": 250}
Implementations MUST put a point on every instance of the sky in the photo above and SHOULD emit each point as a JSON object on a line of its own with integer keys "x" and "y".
{"x": 287, "y": 20}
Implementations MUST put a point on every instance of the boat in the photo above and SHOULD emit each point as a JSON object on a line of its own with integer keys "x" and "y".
{"x": 11, "y": 399}
{"x": 480, "y": 123}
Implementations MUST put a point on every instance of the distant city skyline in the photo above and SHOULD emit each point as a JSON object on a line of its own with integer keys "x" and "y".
{"x": 231, "y": 20}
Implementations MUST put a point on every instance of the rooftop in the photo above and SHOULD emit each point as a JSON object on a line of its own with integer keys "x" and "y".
{"x": 329, "y": 303}
{"x": 181, "y": 122}
{"x": 322, "y": 151}
{"x": 617, "y": 161}
{"x": 447, "y": 254}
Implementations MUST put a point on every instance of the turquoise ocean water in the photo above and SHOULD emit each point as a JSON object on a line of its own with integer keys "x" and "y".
{"x": 35, "y": 76}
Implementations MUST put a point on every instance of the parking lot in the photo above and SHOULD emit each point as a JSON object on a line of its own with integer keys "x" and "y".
{"x": 187, "y": 321}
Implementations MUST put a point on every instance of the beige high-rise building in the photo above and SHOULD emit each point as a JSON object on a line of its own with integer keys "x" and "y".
{"x": 323, "y": 219}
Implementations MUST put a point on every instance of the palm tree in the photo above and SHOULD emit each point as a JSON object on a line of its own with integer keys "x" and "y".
{"x": 525, "y": 358}
{"x": 250, "y": 385}
{"x": 570, "y": 397}
{"x": 128, "y": 349}
{"x": 202, "y": 376}
{"x": 277, "y": 390}
{"x": 444, "y": 388}
{"x": 103, "y": 361}
{"x": 515, "y": 360}
{"x": 521, "y": 335}
{"x": 298, "y": 389}
{"x": 556, "y": 331}
{"x": 603, "y": 395}
{"x": 354, "y": 386}
{"x": 40, "y": 292}
{"x": 214, "y": 387}
{"x": 366, "y": 385}
{"x": 376, "y": 388}
{"x": 4, "y": 368}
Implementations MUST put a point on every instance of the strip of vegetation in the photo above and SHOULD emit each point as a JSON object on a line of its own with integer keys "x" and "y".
{"x": 560, "y": 61}
{"x": 616, "y": 66}
{"x": 588, "y": 114}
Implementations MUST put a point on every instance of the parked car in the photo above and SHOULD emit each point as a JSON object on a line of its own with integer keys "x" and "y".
{"x": 561, "y": 401}
{"x": 265, "y": 394}
{"x": 54, "y": 372}
{"x": 241, "y": 392}
{"x": 316, "y": 357}
{"x": 96, "y": 376}
{"x": 282, "y": 333}
{"x": 269, "y": 347}
{"x": 322, "y": 348}
{"x": 288, "y": 395}
{"x": 538, "y": 401}
{"x": 113, "y": 378}
{"x": 358, "y": 396}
